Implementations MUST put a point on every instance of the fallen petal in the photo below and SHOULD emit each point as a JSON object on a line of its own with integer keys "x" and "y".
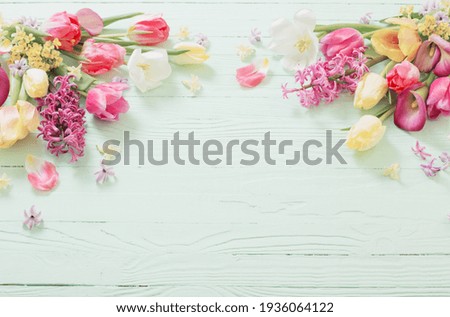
{"x": 252, "y": 75}
{"x": 90, "y": 21}
{"x": 41, "y": 174}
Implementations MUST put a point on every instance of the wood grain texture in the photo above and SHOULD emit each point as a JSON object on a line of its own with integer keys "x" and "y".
{"x": 229, "y": 230}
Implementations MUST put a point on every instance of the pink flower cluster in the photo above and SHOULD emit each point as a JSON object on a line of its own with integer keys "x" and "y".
{"x": 327, "y": 79}
{"x": 63, "y": 120}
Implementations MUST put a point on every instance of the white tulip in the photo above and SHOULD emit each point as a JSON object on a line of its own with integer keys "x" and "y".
{"x": 296, "y": 41}
{"x": 147, "y": 70}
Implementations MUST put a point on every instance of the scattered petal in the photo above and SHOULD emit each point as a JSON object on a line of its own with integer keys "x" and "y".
{"x": 184, "y": 33}
{"x": 5, "y": 181}
{"x": 255, "y": 36}
{"x": 194, "y": 85}
{"x": 420, "y": 151}
{"x": 392, "y": 171}
{"x": 32, "y": 218}
{"x": 429, "y": 169}
{"x": 104, "y": 173}
{"x": 90, "y": 21}
{"x": 245, "y": 51}
{"x": 252, "y": 75}
{"x": 41, "y": 174}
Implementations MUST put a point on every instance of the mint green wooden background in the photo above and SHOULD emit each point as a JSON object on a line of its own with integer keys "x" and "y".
{"x": 229, "y": 230}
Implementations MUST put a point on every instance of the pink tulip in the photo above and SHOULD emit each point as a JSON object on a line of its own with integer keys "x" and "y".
{"x": 403, "y": 76}
{"x": 106, "y": 102}
{"x": 4, "y": 86}
{"x": 438, "y": 101}
{"x": 65, "y": 27}
{"x": 155, "y": 28}
{"x": 101, "y": 57}
{"x": 252, "y": 75}
{"x": 41, "y": 174}
{"x": 411, "y": 112}
{"x": 442, "y": 68}
{"x": 342, "y": 41}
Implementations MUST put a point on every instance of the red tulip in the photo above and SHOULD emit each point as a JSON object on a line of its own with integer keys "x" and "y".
{"x": 101, "y": 57}
{"x": 65, "y": 27}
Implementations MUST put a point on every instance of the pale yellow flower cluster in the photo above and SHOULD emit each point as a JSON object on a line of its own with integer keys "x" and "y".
{"x": 430, "y": 26}
{"x": 23, "y": 45}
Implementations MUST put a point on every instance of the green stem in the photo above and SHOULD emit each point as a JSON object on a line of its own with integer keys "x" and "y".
{"x": 363, "y": 28}
{"x": 387, "y": 114}
{"x": 23, "y": 93}
{"x": 16, "y": 83}
{"x": 74, "y": 56}
{"x": 376, "y": 60}
{"x": 111, "y": 20}
{"x": 387, "y": 68}
{"x": 146, "y": 49}
{"x": 114, "y": 35}
{"x": 430, "y": 79}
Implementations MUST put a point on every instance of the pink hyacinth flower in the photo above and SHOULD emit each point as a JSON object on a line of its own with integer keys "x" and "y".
{"x": 106, "y": 102}
{"x": 252, "y": 75}
{"x": 90, "y": 21}
{"x": 41, "y": 174}
{"x": 4, "y": 86}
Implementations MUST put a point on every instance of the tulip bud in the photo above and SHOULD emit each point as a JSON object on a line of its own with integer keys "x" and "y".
{"x": 370, "y": 90}
{"x": 427, "y": 56}
{"x": 36, "y": 83}
{"x": 342, "y": 41}
{"x": 149, "y": 30}
{"x": 196, "y": 55}
{"x": 366, "y": 133}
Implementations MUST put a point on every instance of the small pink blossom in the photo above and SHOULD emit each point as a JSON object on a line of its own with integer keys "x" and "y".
{"x": 255, "y": 36}
{"x": 420, "y": 151}
{"x": 445, "y": 158}
{"x": 32, "y": 218}
{"x": 366, "y": 18}
{"x": 429, "y": 169}
{"x": 104, "y": 173}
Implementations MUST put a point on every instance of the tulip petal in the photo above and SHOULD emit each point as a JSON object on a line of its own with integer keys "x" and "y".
{"x": 90, "y": 21}
{"x": 252, "y": 75}
{"x": 4, "y": 86}
{"x": 411, "y": 112}
{"x": 41, "y": 174}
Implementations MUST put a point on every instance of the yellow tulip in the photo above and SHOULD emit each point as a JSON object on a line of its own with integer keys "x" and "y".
{"x": 397, "y": 44}
{"x": 16, "y": 122}
{"x": 36, "y": 83}
{"x": 366, "y": 133}
{"x": 196, "y": 55}
{"x": 370, "y": 90}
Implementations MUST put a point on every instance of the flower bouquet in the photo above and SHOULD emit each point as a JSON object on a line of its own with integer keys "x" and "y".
{"x": 53, "y": 70}
{"x": 414, "y": 85}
